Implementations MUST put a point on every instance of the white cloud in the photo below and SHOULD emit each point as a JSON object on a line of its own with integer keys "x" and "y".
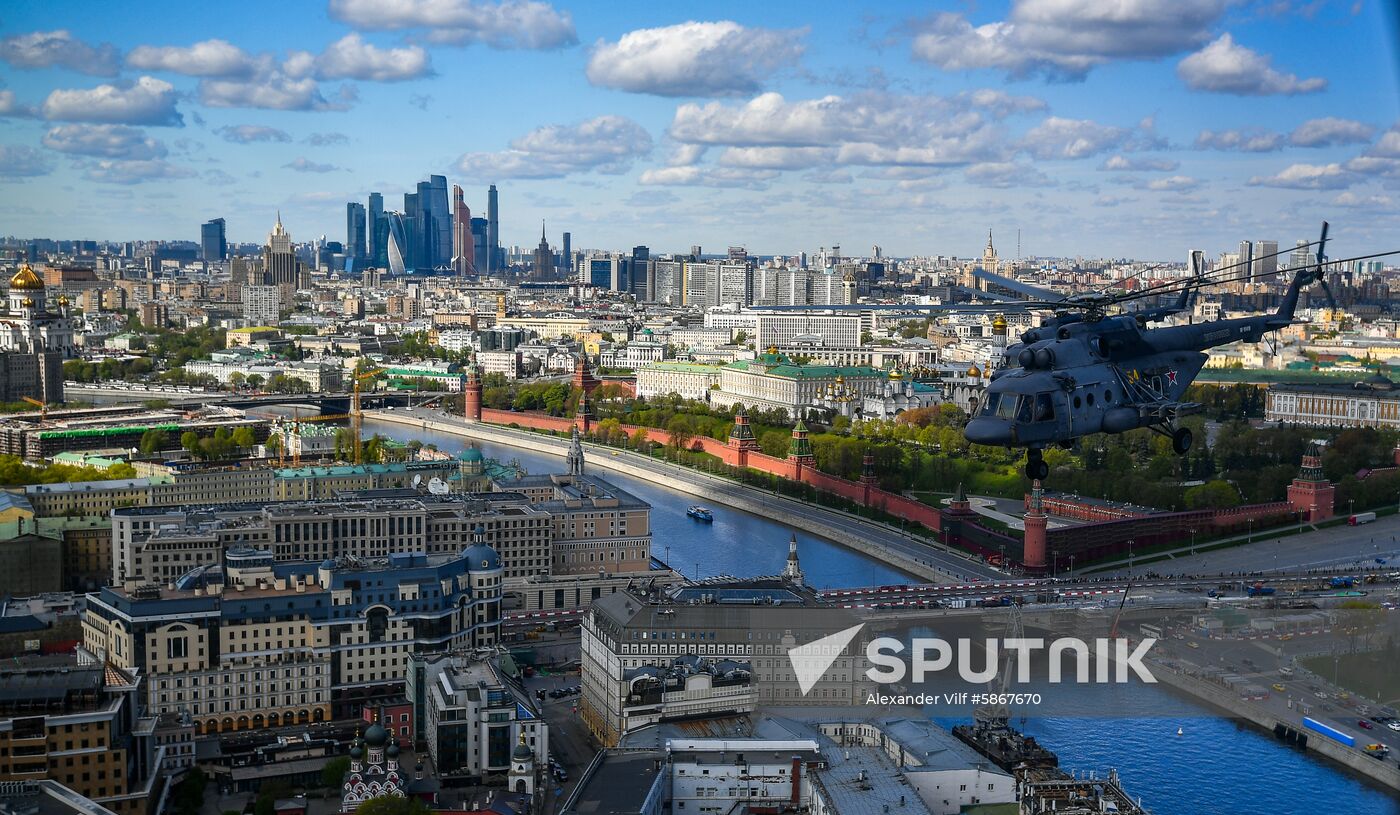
{"x": 302, "y": 164}
{"x": 1388, "y": 146}
{"x": 48, "y": 49}
{"x": 104, "y": 141}
{"x": 870, "y": 128}
{"x": 509, "y": 24}
{"x": 1351, "y": 199}
{"x": 273, "y": 92}
{"x": 1226, "y": 67}
{"x": 1175, "y": 183}
{"x": 693, "y": 59}
{"x": 11, "y": 106}
{"x": 351, "y": 57}
{"x": 133, "y": 172}
{"x": 1121, "y": 163}
{"x": 1057, "y": 138}
{"x": 777, "y": 158}
{"x": 1330, "y": 131}
{"x": 1006, "y": 174}
{"x": 147, "y": 101}
{"x": 606, "y": 144}
{"x": 21, "y": 161}
{"x": 1246, "y": 141}
{"x": 1066, "y": 38}
{"x": 247, "y": 134}
{"x": 208, "y": 59}
{"x": 1000, "y": 103}
{"x": 709, "y": 177}
{"x": 1307, "y": 177}
{"x": 323, "y": 139}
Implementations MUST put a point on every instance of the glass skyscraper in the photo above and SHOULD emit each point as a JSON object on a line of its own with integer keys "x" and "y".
{"x": 213, "y": 241}
{"x": 355, "y": 232}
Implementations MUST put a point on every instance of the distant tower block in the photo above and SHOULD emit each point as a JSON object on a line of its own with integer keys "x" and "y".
{"x": 1311, "y": 494}
{"x": 1033, "y": 553}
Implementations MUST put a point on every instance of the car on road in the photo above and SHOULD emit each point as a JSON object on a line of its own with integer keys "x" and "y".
{"x": 1193, "y": 644}
{"x": 1365, "y": 725}
{"x": 1393, "y": 725}
{"x": 1320, "y": 695}
{"x": 1278, "y": 686}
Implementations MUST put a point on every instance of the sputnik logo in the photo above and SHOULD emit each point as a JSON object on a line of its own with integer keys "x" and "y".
{"x": 811, "y": 661}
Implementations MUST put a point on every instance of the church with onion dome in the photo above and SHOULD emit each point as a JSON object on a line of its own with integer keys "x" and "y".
{"x": 30, "y": 327}
{"x": 374, "y": 772}
{"x": 34, "y": 341}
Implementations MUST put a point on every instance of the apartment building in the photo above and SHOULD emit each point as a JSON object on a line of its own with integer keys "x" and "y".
{"x": 264, "y": 643}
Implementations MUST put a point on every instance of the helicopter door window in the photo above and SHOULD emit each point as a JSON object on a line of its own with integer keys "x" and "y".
{"x": 1023, "y": 411}
{"x": 1044, "y": 407}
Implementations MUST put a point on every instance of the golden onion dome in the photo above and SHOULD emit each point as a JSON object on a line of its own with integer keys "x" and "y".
{"x": 999, "y": 324}
{"x": 973, "y": 372}
{"x": 63, "y": 299}
{"x": 26, "y": 280}
{"x": 840, "y": 380}
{"x": 896, "y": 375}
{"x": 27, "y": 302}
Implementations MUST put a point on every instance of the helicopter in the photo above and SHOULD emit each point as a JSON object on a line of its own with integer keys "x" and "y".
{"x": 1086, "y": 371}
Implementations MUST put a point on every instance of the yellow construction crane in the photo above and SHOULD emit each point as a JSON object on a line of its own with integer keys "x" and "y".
{"x": 356, "y": 414}
{"x": 43, "y": 410}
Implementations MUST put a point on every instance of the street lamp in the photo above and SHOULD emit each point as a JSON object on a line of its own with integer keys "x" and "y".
{"x": 1130, "y": 554}
{"x": 1071, "y": 566}
{"x": 1251, "y": 531}
{"x": 1193, "y": 540}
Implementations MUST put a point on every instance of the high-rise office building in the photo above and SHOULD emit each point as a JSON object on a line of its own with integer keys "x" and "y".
{"x": 213, "y": 241}
{"x": 566, "y": 255}
{"x": 378, "y": 232}
{"x": 410, "y": 241}
{"x": 396, "y": 243}
{"x": 280, "y": 265}
{"x": 1246, "y": 261}
{"x": 544, "y": 257}
{"x": 355, "y": 244}
{"x": 493, "y": 231}
{"x": 481, "y": 250}
{"x": 463, "y": 246}
{"x": 433, "y": 249}
{"x": 1266, "y": 259}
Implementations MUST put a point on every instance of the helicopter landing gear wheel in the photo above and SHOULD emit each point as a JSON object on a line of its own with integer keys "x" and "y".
{"x": 1036, "y": 468}
{"x": 1181, "y": 440}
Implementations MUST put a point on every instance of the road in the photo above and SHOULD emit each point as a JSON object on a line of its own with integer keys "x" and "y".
{"x": 956, "y": 565}
{"x": 1333, "y": 547}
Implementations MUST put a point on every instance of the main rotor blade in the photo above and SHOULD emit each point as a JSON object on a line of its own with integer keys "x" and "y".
{"x": 1027, "y": 289}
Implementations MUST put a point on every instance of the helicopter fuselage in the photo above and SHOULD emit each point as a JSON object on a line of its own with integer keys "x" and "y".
{"x": 1073, "y": 377}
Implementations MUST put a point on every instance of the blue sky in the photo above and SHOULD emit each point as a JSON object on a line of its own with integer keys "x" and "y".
{"x": 781, "y": 126}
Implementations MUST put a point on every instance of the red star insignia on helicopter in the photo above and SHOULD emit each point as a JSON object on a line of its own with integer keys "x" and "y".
{"x": 1171, "y": 377}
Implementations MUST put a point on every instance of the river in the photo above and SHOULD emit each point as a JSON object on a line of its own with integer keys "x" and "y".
{"x": 1216, "y": 766}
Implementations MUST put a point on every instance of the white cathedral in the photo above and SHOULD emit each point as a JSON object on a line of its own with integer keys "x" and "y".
{"x": 30, "y": 327}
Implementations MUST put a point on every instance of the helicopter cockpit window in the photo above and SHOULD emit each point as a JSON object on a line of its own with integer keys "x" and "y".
{"x": 1023, "y": 408}
{"x": 1006, "y": 408}
{"x": 1044, "y": 407}
{"x": 989, "y": 407}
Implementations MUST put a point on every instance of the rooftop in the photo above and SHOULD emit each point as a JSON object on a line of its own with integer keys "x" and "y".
{"x": 618, "y": 782}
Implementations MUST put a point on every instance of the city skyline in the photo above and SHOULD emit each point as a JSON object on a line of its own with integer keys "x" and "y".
{"x": 782, "y": 128}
